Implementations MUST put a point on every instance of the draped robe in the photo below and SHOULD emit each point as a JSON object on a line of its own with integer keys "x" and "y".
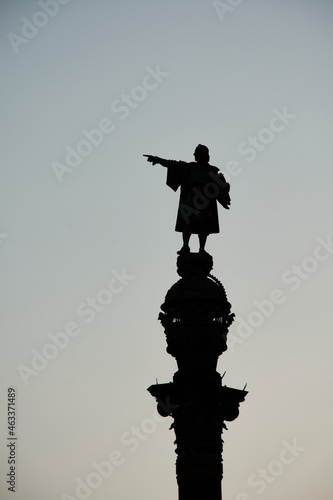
{"x": 201, "y": 186}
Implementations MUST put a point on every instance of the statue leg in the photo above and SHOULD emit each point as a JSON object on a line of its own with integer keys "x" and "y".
{"x": 186, "y": 238}
{"x": 202, "y": 242}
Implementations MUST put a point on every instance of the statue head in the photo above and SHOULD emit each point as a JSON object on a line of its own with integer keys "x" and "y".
{"x": 201, "y": 154}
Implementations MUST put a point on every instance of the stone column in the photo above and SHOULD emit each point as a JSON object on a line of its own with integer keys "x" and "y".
{"x": 196, "y": 317}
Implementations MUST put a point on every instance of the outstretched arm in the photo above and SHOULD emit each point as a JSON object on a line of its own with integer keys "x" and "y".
{"x": 157, "y": 159}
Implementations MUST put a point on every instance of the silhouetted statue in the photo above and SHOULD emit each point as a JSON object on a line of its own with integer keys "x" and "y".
{"x": 201, "y": 185}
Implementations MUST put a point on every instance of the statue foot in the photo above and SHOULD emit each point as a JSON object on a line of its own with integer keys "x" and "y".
{"x": 184, "y": 249}
{"x": 203, "y": 252}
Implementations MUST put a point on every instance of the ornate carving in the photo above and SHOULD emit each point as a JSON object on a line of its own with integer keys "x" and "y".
{"x": 196, "y": 317}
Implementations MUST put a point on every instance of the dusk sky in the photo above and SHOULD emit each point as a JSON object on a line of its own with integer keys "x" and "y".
{"x": 88, "y": 247}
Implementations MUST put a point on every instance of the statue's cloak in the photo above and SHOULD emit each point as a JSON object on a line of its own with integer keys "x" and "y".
{"x": 201, "y": 186}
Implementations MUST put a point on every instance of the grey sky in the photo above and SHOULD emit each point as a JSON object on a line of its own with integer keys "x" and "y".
{"x": 254, "y": 85}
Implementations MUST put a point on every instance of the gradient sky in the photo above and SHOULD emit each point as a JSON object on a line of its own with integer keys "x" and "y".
{"x": 253, "y": 82}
